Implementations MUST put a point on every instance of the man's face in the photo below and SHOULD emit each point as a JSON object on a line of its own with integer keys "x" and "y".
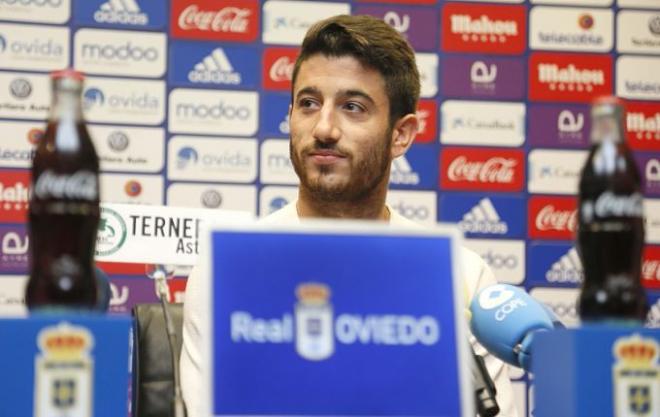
{"x": 340, "y": 130}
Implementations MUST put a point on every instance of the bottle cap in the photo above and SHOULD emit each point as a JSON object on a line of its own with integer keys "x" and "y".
{"x": 67, "y": 73}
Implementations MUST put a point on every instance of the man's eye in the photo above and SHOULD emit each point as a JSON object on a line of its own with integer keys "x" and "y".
{"x": 306, "y": 103}
{"x": 353, "y": 107}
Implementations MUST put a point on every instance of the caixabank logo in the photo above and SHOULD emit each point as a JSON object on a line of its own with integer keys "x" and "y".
{"x": 486, "y": 29}
{"x": 482, "y": 169}
{"x": 126, "y": 14}
{"x": 484, "y": 216}
{"x": 643, "y": 126}
{"x": 211, "y": 65}
{"x": 552, "y": 217}
{"x": 418, "y": 25}
{"x": 213, "y": 20}
{"x": 559, "y": 126}
{"x": 554, "y": 264}
{"x": 315, "y": 328}
{"x": 569, "y": 78}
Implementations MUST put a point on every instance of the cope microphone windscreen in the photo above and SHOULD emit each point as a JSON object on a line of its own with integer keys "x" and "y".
{"x": 504, "y": 318}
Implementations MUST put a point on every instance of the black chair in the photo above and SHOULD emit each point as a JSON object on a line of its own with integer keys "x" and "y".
{"x": 153, "y": 380}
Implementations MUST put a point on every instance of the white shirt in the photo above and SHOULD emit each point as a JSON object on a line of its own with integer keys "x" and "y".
{"x": 476, "y": 275}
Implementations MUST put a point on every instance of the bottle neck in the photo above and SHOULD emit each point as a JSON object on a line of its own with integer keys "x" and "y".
{"x": 66, "y": 106}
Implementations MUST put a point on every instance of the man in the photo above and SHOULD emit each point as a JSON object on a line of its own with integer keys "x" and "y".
{"x": 354, "y": 97}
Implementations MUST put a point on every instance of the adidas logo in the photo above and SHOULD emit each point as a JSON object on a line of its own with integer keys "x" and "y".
{"x": 215, "y": 68}
{"x": 402, "y": 173}
{"x": 567, "y": 270}
{"x": 483, "y": 218}
{"x": 121, "y": 11}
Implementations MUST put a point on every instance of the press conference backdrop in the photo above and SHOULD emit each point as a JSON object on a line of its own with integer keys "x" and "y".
{"x": 187, "y": 104}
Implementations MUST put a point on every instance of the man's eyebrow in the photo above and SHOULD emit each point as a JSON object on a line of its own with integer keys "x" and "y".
{"x": 357, "y": 93}
{"x": 308, "y": 90}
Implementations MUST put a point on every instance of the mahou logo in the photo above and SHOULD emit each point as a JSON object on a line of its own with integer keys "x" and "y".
{"x": 278, "y": 68}
{"x": 552, "y": 218}
{"x": 14, "y": 196}
{"x": 569, "y": 78}
{"x": 482, "y": 169}
{"x": 651, "y": 267}
{"x": 643, "y": 126}
{"x": 427, "y": 113}
{"x": 481, "y": 28}
{"x": 225, "y": 20}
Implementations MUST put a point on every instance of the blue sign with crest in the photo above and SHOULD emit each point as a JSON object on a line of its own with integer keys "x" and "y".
{"x": 485, "y": 215}
{"x": 554, "y": 264}
{"x": 125, "y": 14}
{"x": 298, "y": 331}
{"x": 197, "y": 64}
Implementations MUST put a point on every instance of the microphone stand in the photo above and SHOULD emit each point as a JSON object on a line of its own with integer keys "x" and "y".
{"x": 162, "y": 291}
{"x": 484, "y": 388}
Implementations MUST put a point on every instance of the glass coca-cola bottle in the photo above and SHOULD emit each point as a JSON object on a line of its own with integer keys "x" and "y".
{"x": 610, "y": 234}
{"x": 64, "y": 205}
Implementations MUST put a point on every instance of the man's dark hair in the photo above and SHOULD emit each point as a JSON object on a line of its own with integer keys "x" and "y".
{"x": 375, "y": 45}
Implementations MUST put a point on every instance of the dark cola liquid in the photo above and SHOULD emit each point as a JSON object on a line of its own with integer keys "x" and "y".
{"x": 63, "y": 219}
{"x": 610, "y": 235}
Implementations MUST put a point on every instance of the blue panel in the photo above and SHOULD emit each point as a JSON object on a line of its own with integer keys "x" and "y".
{"x": 149, "y": 14}
{"x": 554, "y": 264}
{"x": 485, "y": 216}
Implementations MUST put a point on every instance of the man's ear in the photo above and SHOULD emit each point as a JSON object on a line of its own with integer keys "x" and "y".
{"x": 403, "y": 134}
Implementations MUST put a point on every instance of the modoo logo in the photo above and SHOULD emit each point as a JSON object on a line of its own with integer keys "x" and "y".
{"x": 124, "y": 52}
{"x": 38, "y": 3}
{"x": 218, "y": 111}
{"x": 126, "y": 12}
{"x": 317, "y": 331}
{"x": 411, "y": 211}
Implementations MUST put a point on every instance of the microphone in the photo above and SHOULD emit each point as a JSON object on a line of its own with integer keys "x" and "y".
{"x": 505, "y": 319}
{"x": 159, "y": 274}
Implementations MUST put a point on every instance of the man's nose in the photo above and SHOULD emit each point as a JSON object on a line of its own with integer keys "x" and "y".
{"x": 326, "y": 128}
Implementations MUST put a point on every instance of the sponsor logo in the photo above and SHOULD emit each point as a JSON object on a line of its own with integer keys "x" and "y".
{"x": 427, "y": 64}
{"x": 570, "y": 29}
{"x": 278, "y": 68}
{"x": 552, "y": 218}
{"x": 651, "y": 267}
{"x": 39, "y": 11}
{"x": 100, "y": 51}
{"x": 555, "y": 172}
{"x": 33, "y": 48}
{"x": 14, "y": 196}
{"x": 561, "y": 301}
{"x": 224, "y": 20}
{"x": 12, "y": 296}
{"x": 505, "y": 257}
{"x": 634, "y": 84}
{"x": 20, "y": 139}
{"x": 126, "y": 12}
{"x": 497, "y": 78}
{"x": 566, "y": 126}
{"x": 232, "y": 160}
{"x": 483, "y": 123}
{"x": 118, "y": 141}
{"x": 481, "y": 28}
{"x": 648, "y": 4}
{"x": 24, "y": 96}
{"x": 573, "y": 78}
{"x": 653, "y": 317}
{"x": 418, "y": 206}
{"x": 480, "y": 168}
{"x": 20, "y": 88}
{"x": 124, "y": 101}
{"x": 650, "y": 167}
{"x": 215, "y": 68}
{"x": 638, "y": 32}
{"x": 652, "y": 219}
{"x": 417, "y": 25}
{"x": 427, "y": 114}
{"x": 286, "y": 22}
{"x": 127, "y": 292}
{"x": 132, "y": 189}
{"x": 554, "y": 263}
{"x": 643, "y": 126}
{"x": 609, "y": 204}
{"x": 273, "y": 198}
{"x": 207, "y": 111}
{"x": 14, "y": 245}
{"x": 119, "y": 151}
{"x": 567, "y": 270}
{"x": 81, "y": 185}
{"x": 111, "y": 233}
{"x": 276, "y": 165}
{"x": 416, "y": 169}
{"x": 483, "y": 218}
{"x": 232, "y": 197}
{"x": 401, "y": 173}
{"x": 317, "y": 329}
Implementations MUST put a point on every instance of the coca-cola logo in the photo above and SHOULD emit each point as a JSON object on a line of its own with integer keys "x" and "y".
{"x": 551, "y": 218}
{"x": 81, "y": 185}
{"x": 282, "y": 69}
{"x": 234, "y": 20}
{"x": 278, "y": 68}
{"x": 493, "y": 170}
{"x": 227, "y": 19}
{"x": 609, "y": 204}
{"x": 651, "y": 270}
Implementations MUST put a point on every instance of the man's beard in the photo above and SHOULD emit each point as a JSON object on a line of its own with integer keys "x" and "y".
{"x": 365, "y": 175}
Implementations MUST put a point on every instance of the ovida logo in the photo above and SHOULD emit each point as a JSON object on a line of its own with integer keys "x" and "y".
{"x": 568, "y": 122}
{"x": 501, "y": 298}
{"x": 652, "y": 170}
{"x": 317, "y": 329}
{"x": 277, "y": 203}
{"x": 186, "y": 156}
{"x": 400, "y": 23}
{"x": 569, "y": 78}
{"x": 282, "y": 69}
{"x": 124, "y": 52}
{"x": 215, "y": 68}
{"x": 118, "y": 141}
{"x": 20, "y": 88}
{"x": 126, "y": 12}
{"x": 568, "y": 269}
{"x": 483, "y": 218}
{"x": 217, "y": 111}
{"x": 402, "y": 173}
{"x": 3, "y": 43}
{"x": 227, "y": 19}
{"x": 38, "y": 48}
{"x": 211, "y": 199}
{"x": 93, "y": 97}
{"x": 482, "y": 74}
